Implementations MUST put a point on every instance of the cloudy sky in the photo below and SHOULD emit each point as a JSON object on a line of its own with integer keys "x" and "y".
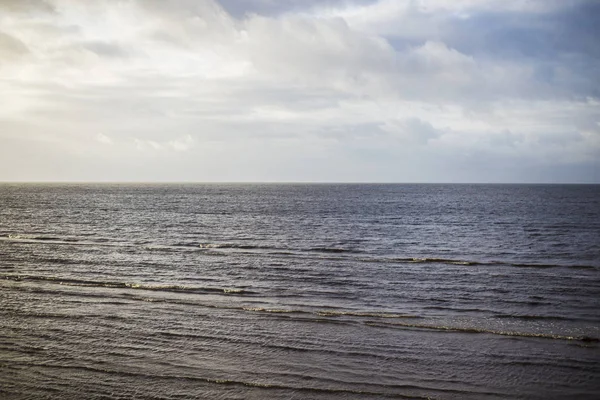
{"x": 300, "y": 90}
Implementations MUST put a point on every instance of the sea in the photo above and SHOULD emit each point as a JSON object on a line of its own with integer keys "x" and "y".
{"x": 299, "y": 291}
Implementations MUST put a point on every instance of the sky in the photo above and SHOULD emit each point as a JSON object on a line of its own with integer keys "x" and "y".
{"x": 300, "y": 90}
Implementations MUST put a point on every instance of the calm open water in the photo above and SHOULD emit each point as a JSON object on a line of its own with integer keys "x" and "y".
{"x": 299, "y": 291}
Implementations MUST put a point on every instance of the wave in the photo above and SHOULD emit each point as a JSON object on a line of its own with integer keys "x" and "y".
{"x": 333, "y": 250}
{"x": 303, "y": 347}
{"x": 363, "y": 314}
{"x": 335, "y": 253}
{"x": 197, "y": 290}
{"x": 252, "y": 384}
{"x": 329, "y": 316}
{"x": 64, "y": 240}
{"x": 533, "y": 265}
{"x": 435, "y": 260}
{"x": 209, "y": 246}
{"x": 271, "y": 310}
{"x": 533, "y": 317}
{"x": 588, "y": 339}
{"x": 429, "y": 260}
{"x": 129, "y": 285}
{"x": 442, "y": 261}
{"x": 40, "y": 238}
{"x": 148, "y": 244}
{"x": 315, "y": 316}
{"x": 282, "y": 249}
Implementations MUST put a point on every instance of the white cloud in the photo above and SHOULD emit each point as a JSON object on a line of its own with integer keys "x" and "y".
{"x": 102, "y": 138}
{"x": 425, "y": 18}
{"x": 182, "y": 144}
{"x": 187, "y": 82}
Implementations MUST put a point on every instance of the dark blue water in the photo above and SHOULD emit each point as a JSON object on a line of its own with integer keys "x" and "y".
{"x": 299, "y": 291}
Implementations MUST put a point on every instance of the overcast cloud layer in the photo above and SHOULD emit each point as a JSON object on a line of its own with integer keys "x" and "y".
{"x": 300, "y": 90}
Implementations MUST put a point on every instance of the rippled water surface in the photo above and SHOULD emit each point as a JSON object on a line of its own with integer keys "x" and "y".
{"x": 299, "y": 291}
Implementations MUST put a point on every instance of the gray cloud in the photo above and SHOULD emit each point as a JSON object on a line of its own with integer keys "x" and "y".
{"x": 240, "y": 9}
{"x": 105, "y": 49}
{"x": 26, "y": 6}
{"x": 11, "y": 47}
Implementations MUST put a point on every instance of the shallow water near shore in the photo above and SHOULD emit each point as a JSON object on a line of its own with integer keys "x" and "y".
{"x": 299, "y": 291}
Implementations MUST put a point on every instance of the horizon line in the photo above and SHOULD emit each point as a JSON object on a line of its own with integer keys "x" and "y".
{"x": 290, "y": 183}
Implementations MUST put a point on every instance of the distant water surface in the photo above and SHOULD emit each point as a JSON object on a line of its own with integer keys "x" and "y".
{"x": 299, "y": 291}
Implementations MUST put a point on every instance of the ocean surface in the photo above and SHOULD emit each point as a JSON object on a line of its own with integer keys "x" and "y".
{"x": 292, "y": 291}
